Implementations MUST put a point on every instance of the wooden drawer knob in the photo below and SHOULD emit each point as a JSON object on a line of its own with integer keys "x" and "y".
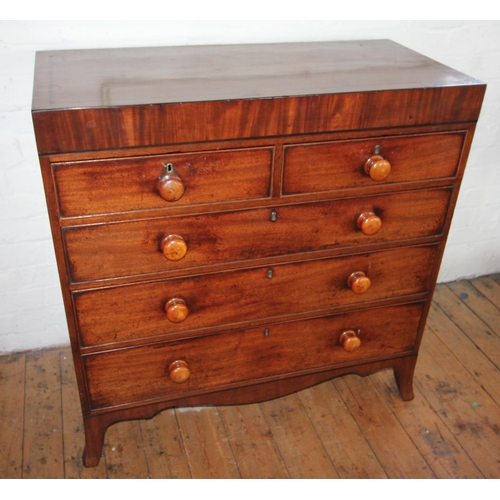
{"x": 176, "y": 310}
{"x": 179, "y": 371}
{"x": 170, "y": 185}
{"x": 358, "y": 282}
{"x": 369, "y": 223}
{"x": 377, "y": 168}
{"x": 173, "y": 247}
{"x": 350, "y": 340}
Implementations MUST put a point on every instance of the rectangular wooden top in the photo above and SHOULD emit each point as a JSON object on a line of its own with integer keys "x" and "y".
{"x": 134, "y": 76}
{"x": 97, "y": 92}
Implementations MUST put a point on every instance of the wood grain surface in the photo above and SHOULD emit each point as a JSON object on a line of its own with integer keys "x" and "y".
{"x": 116, "y": 314}
{"x": 101, "y": 251}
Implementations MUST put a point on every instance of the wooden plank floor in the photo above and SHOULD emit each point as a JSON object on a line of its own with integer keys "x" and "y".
{"x": 351, "y": 427}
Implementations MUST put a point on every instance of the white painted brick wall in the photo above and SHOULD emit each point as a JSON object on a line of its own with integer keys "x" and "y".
{"x": 31, "y": 310}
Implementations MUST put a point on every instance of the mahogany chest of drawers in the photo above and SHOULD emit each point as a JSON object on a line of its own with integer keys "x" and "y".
{"x": 235, "y": 223}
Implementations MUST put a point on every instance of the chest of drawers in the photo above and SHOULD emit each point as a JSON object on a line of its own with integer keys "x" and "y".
{"x": 235, "y": 223}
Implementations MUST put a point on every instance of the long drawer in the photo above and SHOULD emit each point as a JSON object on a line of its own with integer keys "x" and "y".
{"x": 128, "y": 312}
{"x": 140, "y": 374}
{"x": 133, "y": 248}
{"x": 131, "y": 184}
{"x": 327, "y": 166}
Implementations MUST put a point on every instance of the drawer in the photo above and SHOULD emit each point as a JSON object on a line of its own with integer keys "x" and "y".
{"x": 130, "y": 184}
{"x": 217, "y": 361}
{"x": 128, "y": 312}
{"x": 328, "y": 166}
{"x": 132, "y": 248}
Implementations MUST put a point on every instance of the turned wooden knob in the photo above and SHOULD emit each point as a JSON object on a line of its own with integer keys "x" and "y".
{"x": 179, "y": 371}
{"x": 358, "y": 282}
{"x": 369, "y": 223}
{"x": 176, "y": 310}
{"x": 173, "y": 247}
{"x": 377, "y": 168}
{"x": 170, "y": 185}
{"x": 350, "y": 340}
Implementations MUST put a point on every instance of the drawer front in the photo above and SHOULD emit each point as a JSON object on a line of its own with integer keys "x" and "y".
{"x": 328, "y": 166}
{"x": 133, "y": 248}
{"x": 139, "y": 374}
{"x": 135, "y": 311}
{"x": 130, "y": 184}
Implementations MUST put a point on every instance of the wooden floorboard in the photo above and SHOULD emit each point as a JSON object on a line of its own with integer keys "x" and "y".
{"x": 461, "y": 404}
{"x": 164, "y": 447}
{"x": 43, "y": 451}
{"x": 350, "y": 427}
{"x": 436, "y": 444}
{"x": 389, "y": 440}
{"x": 207, "y": 445}
{"x": 12, "y": 384}
{"x": 253, "y": 443}
{"x": 303, "y": 453}
{"x": 342, "y": 438}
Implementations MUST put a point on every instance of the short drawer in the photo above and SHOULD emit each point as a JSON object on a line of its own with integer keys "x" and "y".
{"x": 274, "y": 351}
{"x": 328, "y": 166}
{"x": 128, "y": 312}
{"x": 130, "y": 184}
{"x": 133, "y": 248}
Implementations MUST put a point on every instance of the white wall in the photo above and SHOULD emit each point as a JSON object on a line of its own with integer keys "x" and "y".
{"x": 31, "y": 310}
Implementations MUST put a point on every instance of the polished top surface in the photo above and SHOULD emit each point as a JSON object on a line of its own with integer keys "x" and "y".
{"x": 160, "y": 75}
